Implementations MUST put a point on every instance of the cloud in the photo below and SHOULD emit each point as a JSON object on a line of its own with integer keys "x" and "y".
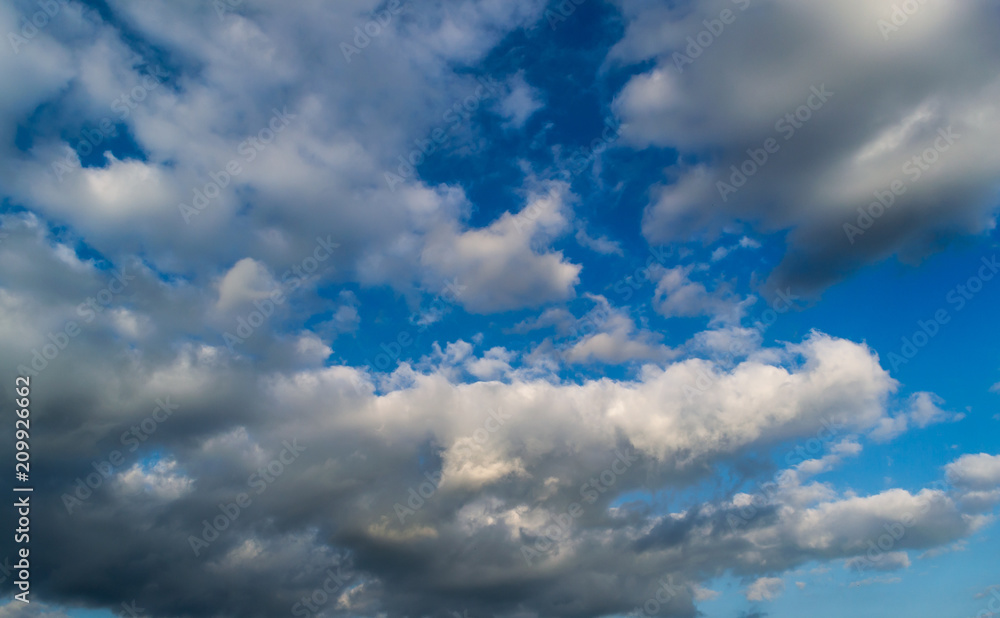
{"x": 765, "y": 589}
{"x": 704, "y": 594}
{"x": 502, "y": 481}
{"x": 246, "y": 281}
{"x": 496, "y": 266}
{"x": 678, "y": 296}
{"x": 922, "y": 411}
{"x": 600, "y": 244}
{"x": 423, "y": 488}
{"x": 616, "y": 340}
{"x": 16, "y": 609}
{"x": 520, "y": 102}
{"x": 883, "y": 104}
{"x": 881, "y": 579}
{"x": 979, "y": 471}
{"x": 226, "y": 429}
{"x": 553, "y": 317}
{"x": 745, "y": 243}
{"x": 270, "y": 160}
{"x": 889, "y": 561}
{"x": 962, "y": 545}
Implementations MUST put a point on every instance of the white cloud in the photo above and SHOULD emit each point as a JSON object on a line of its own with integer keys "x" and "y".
{"x": 922, "y": 410}
{"x": 925, "y": 410}
{"x": 497, "y": 267}
{"x": 678, "y": 296}
{"x": 765, "y": 589}
{"x": 162, "y": 481}
{"x": 980, "y": 471}
{"x": 705, "y": 594}
{"x": 600, "y": 244}
{"x": 248, "y": 280}
{"x": 520, "y": 102}
{"x": 616, "y": 339}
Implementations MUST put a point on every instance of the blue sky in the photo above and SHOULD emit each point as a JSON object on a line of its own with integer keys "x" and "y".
{"x": 518, "y": 308}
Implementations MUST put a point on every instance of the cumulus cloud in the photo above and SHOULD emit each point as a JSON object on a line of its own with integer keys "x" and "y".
{"x": 496, "y": 267}
{"x": 501, "y": 477}
{"x": 978, "y": 479}
{"x": 890, "y": 98}
{"x": 502, "y": 459}
{"x": 979, "y": 471}
{"x": 503, "y": 456}
{"x": 246, "y": 281}
{"x": 615, "y": 339}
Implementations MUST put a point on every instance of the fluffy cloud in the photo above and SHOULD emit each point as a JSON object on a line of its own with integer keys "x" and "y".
{"x": 980, "y": 471}
{"x": 242, "y": 109}
{"x": 888, "y": 99}
{"x": 520, "y": 102}
{"x": 493, "y": 478}
{"x": 501, "y": 462}
{"x": 509, "y": 455}
{"x": 977, "y": 478}
{"x": 496, "y": 268}
{"x": 678, "y": 296}
{"x": 923, "y": 410}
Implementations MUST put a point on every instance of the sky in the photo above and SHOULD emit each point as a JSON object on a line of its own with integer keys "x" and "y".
{"x": 506, "y": 308}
